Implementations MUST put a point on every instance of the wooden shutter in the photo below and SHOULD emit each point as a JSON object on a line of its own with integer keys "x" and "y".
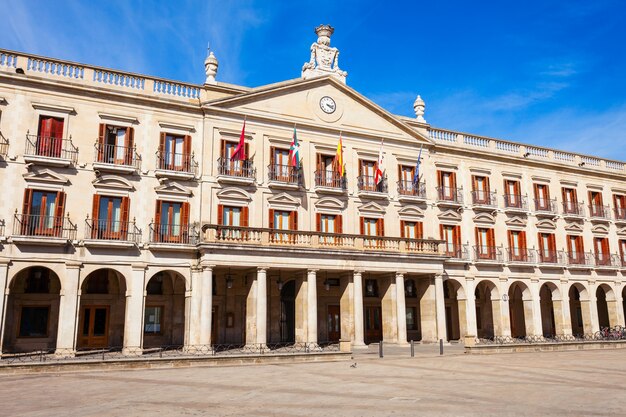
{"x": 401, "y": 177}
{"x": 223, "y": 150}
{"x": 95, "y": 215}
{"x": 402, "y": 225}
{"x": 441, "y": 235}
{"x": 457, "y": 236}
{"x": 45, "y": 126}
{"x": 522, "y": 240}
{"x": 293, "y": 220}
{"x": 580, "y": 244}
{"x": 28, "y": 201}
{"x": 130, "y": 140}
{"x": 272, "y": 157}
{"x": 101, "y": 141}
{"x": 57, "y": 136}
{"x": 491, "y": 240}
{"x": 420, "y": 230}
{"x": 157, "y": 214}
{"x": 474, "y": 183}
{"x": 453, "y": 183}
{"x": 486, "y": 180}
{"x": 244, "y": 216}
{"x": 184, "y": 210}
{"x": 187, "y": 153}
{"x": 541, "y": 248}
{"x": 477, "y": 236}
{"x": 318, "y": 221}
{"x": 536, "y": 191}
{"x": 360, "y": 167}
{"x": 320, "y": 160}
{"x": 163, "y": 158}
{"x": 362, "y": 225}
{"x": 58, "y": 212}
{"x": 271, "y": 219}
{"x": 605, "y": 246}
{"x": 509, "y": 236}
{"x": 246, "y": 149}
{"x": 339, "y": 223}
{"x": 381, "y": 227}
{"x": 125, "y": 215}
{"x": 220, "y": 214}
{"x": 440, "y": 181}
{"x": 552, "y": 242}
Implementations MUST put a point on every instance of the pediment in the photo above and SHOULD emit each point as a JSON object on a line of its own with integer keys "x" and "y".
{"x": 546, "y": 224}
{"x": 621, "y": 231}
{"x": 234, "y": 196}
{"x": 298, "y": 101}
{"x": 516, "y": 221}
{"x": 600, "y": 229}
{"x": 372, "y": 208}
{"x": 330, "y": 204}
{"x": 113, "y": 181}
{"x": 450, "y": 215}
{"x": 46, "y": 175}
{"x": 283, "y": 200}
{"x": 411, "y": 213}
{"x": 573, "y": 227}
{"x": 173, "y": 187}
{"x": 484, "y": 218}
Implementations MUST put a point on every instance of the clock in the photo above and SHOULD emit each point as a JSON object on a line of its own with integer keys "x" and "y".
{"x": 328, "y": 105}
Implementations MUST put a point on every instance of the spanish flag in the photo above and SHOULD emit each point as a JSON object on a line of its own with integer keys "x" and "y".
{"x": 341, "y": 168}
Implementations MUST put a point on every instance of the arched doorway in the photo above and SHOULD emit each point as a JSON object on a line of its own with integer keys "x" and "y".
{"x": 579, "y": 308}
{"x": 32, "y": 312}
{"x": 288, "y": 312}
{"x": 102, "y": 310}
{"x": 164, "y": 312}
{"x": 547, "y": 311}
{"x": 607, "y": 306}
{"x": 451, "y": 302}
{"x": 487, "y": 308}
{"x": 518, "y": 297}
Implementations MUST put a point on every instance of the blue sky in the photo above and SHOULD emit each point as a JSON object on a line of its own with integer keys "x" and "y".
{"x": 552, "y": 73}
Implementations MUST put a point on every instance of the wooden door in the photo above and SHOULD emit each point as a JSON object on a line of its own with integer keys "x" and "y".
{"x": 373, "y": 325}
{"x": 334, "y": 323}
{"x": 94, "y": 326}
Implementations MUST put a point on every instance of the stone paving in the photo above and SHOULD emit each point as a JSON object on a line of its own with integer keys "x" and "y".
{"x": 533, "y": 384}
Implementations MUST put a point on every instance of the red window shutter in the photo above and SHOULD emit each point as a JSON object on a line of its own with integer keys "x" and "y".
{"x": 420, "y": 230}
{"x": 101, "y": 141}
{"x": 563, "y": 194}
{"x": 272, "y": 157}
{"x": 157, "y": 213}
{"x": 163, "y": 159}
{"x": 457, "y": 235}
{"x": 57, "y": 128}
{"x": 509, "y": 236}
{"x": 400, "y": 178}
{"x": 362, "y": 225}
{"x": 540, "y": 238}
{"x": 95, "y": 215}
{"x": 320, "y": 159}
{"x": 187, "y": 152}
{"x": 339, "y": 223}
{"x": 271, "y": 219}
{"x": 381, "y": 227}
{"x": 60, "y": 204}
{"x": 605, "y": 246}
{"x": 162, "y": 142}
{"x": 536, "y": 191}
{"x": 45, "y": 127}
{"x": 184, "y": 210}
{"x": 130, "y": 141}
{"x": 318, "y": 221}
{"x": 491, "y": 238}
{"x": 220, "y": 214}
{"x": 360, "y": 167}
{"x": 293, "y": 219}
{"x": 223, "y": 150}
{"x": 453, "y": 180}
{"x": 486, "y": 179}
{"x": 246, "y": 148}
{"x": 244, "y": 216}
{"x": 477, "y": 237}
{"x": 28, "y": 201}
{"x": 441, "y": 235}
{"x": 440, "y": 179}
{"x": 474, "y": 183}
{"x": 522, "y": 239}
{"x": 125, "y": 215}
{"x": 402, "y": 224}
{"x": 552, "y": 243}
{"x": 574, "y": 196}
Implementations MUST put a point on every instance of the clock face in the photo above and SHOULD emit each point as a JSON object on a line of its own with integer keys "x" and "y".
{"x": 328, "y": 105}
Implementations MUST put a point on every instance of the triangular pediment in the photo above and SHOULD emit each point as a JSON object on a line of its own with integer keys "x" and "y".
{"x": 298, "y": 101}
{"x": 411, "y": 213}
{"x": 546, "y": 224}
{"x": 516, "y": 221}
{"x": 372, "y": 208}
{"x": 573, "y": 227}
{"x": 112, "y": 181}
{"x": 283, "y": 200}
{"x": 330, "y": 204}
{"x": 234, "y": 196}
{"x": 46, "y": 175}
{"x": 484, "y": 218}
{"x": 622, "y": 231}
{"x": 172, "y": 187}
{"x": 450, "y": 215}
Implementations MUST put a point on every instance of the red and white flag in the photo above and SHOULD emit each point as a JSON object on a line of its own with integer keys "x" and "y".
{"x": 378, "y": 175}
{"x": 240, "y": 150}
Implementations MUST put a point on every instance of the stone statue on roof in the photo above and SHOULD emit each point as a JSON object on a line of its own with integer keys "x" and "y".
{"x": 324, "y": 58}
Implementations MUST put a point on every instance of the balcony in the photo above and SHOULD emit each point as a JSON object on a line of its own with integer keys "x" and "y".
{"x": 447, "y": 196}
{"x": 620, "y": 215}
{"x": 545, "y": 207}
{"x": 484, "y": 199}
{"x": 580, "y": 260}
{"x": 487, "y": 254}
{"x": 411, "y": 191}
{"x": 43, "y": 230}
{"x": 4, "y": 146}
{"x": 284, "y": 176}
{"x": 515, "y": 203}
{"x": 111, "y": 233}
{"x": 369, "y": 188}
{"x": 176, "y": 165}
{"x": 2, "y": 230}
{"x": 235, "y": 171}
{"x": 551, "y": 258}
{"x": 50, "y": 151}
{"x": 319, "y": 241}
{"x": 607, "y": 261}
{"x": 573, "y": 210}
{"x": 520, "y": 256}
{"x": 456, "y": 252}
{"x": 170, "y": 236}
{"x": 599, "y": 213}
{"x": 116, "y": 158}
{"x": 330, "y": 182}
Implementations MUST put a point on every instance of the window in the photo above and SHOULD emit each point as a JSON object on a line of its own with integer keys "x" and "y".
{"x": 485, "y": 243}
{"x": 622, "y": 251}
{"x": 367, "y": 170}
{"x": 372, "y": 227}
{"x": 447, "y": 185}
{"x": 371, "y": 288}
{"x": 327, "y": 174}
{"x": 480, "y": 190}
{"x": 155, "y": 285}
{"x": 410, "y": 291}
{"x": 42, "y": 212}
{"x": 230, "y": 166}
{"x": 595, "y": 204}
{"x": 233, "y": 217}
{"x": 547, "y": 247}
{"x": 619, "y": 201}
{"x": 109, "y": 217}
{"x": 411, "y": 318}
{"x": 601, "y": 246}
{"x": 575, "y": 249}
{"x": 50, "y": 136}
{"x": 328, "y": 223}
{"x": 115, "y": 144}
{"x": 38, "y": 281}
{"x": 283, "y": 220}
{"x": 542, "y": 197}
{"x": 452, "y": 236}
{"x": 408, "y": 186}
{"x": 411, "y": 230}
{"x": 570, "y": 201}
{"x": 512, "y": 196}
{"x": 175, "y": 152}
{"x": 517, "y": 245}
{"x": 34, "y": 321}
{"x": 280, "y": 168}
{"x": 152, "y": 320}
{"x": 172, "y": 221}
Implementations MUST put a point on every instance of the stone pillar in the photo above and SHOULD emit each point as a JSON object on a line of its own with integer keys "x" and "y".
{"x": 428, "y": 312}
{"x": 389, "y": 309}
{"x": 312, "y": 306}
{"x": 206, "y": 305}
{"x": 194, "y": 324}
{"x": 593, "y": 307}
{"x": 401, "y": 306}
{"x": 440, "y": 308}
{"x": 359, "y": 339}
{"x": 537, "y": 325}
{"x": 565, "y": 310}
{"x": 502, "y": 305}
{"x": 261, "y": 306}
{"x": 301, "y": 311}
{"x": 470, "y": 304}
{"x": 619, "y": 305}
{"x": 4, "y": 272}
{"x": 133, "y": 319}
{"x": 68, "y": 310}
{"x": 347, "y": 309}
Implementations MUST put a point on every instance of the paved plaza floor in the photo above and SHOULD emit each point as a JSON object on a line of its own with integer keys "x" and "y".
{"x": 532, "y": 384}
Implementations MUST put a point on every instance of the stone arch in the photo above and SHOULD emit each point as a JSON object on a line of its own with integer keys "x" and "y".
{"x": 164, "y": 319}
{"x": 580, "y": 309}
{"x": 455, "y": 309}
{"x": 184, "y": 273}
{"x": 14, "y": 271}
{"x": 122, "y": 272}
{"x": 520, "y": 309}
{"x": 606, "y": 304}
{"x": 287, "y": 324}
{"x": 102, "y": 309}
{"x": 551, "y": 309}
{"x": 488, "y": 314}
{"x": 32, "y": 310}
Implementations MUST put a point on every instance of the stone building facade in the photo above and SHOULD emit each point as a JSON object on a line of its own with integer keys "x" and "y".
{"x": 131, "y": 224}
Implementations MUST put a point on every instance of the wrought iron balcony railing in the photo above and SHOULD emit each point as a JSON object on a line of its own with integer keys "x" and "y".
{"x": 330, "y": 179}
{"x": 551, "y": 257}
{"x": 520, "y": 255}
{"x": 174, "y": 233}
{"x": 599, "y": 212}
{"x": 102, "y": 229}
{"x": 487, "y": 253}
{"x": 117, "y": 155}
{"x": 571, "y": 208}
{"x": 284, "y": 173}
{"x": 413, "y": 189}
{"x": 580, "y": 259}
{"x": 607, "y": 259}
{"x": 484, "y": 198}
{"x": 450, "y": 195}
{"x": 236, "y": 168}
{"x": 367, "y": 183}
{"x": 4, "y": 146}
{"x": 620, "y": 213}
{"x": 49, "y": 147}
{"x": 516, "y": 201}
{"x": 2, "y": 227}
{"x": 44, "y": 226}
{"x": 177, "y": 162}
{"x": 454, "y": 251}
{"x": 545, "y": 205}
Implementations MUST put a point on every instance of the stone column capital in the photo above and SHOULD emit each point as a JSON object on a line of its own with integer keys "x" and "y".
{"x": 73, "y": 265}
{"x": 312, "y": 270}
{"x": 400, "y": 274}
{"x": 262, "y": 269}
{"x": 470, "y": 278}
{"x": 139, "y": 267}
{"x": 207, "y": 267}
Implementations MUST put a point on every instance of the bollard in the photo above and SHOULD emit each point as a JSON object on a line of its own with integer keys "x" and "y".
{"x": 412, "y": 349}
{"x": 380, "y": 349}
{"x": 441, "y": 346}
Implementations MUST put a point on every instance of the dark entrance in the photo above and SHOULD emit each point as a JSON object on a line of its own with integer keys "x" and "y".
{"x": 288, "y": 312}
{"x": 334, "y": 324}
{"x": 94, "y": 326}
{"x": 373, "y": 325}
